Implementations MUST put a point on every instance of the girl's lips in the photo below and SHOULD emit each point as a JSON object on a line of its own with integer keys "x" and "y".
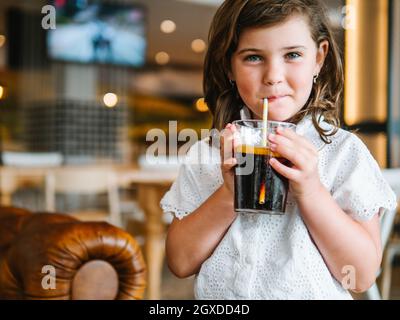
{"x": 274, "y": 98}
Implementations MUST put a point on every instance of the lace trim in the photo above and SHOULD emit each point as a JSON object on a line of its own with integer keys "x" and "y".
{"x": 177, "y": 212}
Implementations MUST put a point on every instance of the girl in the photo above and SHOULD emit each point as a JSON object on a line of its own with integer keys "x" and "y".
{"x": 328, "y": 240}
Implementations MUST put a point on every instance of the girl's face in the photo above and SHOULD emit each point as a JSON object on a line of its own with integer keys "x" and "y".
{"x": 278, "y": 63}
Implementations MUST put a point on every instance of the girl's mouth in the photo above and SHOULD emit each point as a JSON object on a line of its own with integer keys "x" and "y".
{"x": 275, "y": 98}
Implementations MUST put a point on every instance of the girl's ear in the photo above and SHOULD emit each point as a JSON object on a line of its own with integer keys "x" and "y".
{"x": 230, "y": 75}
{"x": 321, "y": 55}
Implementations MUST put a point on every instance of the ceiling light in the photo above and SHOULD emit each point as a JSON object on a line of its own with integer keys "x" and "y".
{"x": 110, "y": 100}
{"x": 168, "y": 26}
{"x": 2, "y": 40}
{"x": 162, "y": 58}
{"x": 201, "y": 105}
{"x": 198, "y": 45}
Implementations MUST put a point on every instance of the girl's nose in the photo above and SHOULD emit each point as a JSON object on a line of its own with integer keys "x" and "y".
{"x": 273, "y": 74}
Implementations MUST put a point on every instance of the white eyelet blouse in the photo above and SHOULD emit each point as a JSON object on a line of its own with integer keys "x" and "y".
{"x": 272, "y": 256}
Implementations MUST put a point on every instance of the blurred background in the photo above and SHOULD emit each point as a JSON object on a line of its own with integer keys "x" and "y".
{"x": 83, "y": 87}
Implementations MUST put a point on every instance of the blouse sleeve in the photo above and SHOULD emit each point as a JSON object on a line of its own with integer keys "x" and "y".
{"x": 197, "y": 180}
{"x": 359, "y": 187}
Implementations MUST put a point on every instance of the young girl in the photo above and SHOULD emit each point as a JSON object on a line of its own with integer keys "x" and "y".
{"x": 328, "y": 240}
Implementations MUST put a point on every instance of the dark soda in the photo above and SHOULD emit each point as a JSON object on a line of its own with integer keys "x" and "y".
{"x": 262, "y": 189}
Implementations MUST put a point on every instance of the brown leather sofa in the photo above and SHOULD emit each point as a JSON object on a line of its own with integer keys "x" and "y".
{"x": 55, "y": 256}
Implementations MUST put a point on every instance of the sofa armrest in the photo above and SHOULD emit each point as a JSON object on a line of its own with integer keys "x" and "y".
{"x": 55, "y": 256}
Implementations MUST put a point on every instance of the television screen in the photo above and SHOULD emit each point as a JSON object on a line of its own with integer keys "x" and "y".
{"x": 91, "y": 31}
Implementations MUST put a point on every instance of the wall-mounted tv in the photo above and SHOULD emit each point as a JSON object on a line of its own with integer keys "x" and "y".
{"x": 94, "y": 31}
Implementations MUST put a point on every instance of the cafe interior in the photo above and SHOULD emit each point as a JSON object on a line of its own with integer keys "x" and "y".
{"x": 86, "y": 89}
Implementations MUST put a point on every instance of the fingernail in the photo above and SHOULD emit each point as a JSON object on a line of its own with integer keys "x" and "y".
{"x": 271, "y": 136}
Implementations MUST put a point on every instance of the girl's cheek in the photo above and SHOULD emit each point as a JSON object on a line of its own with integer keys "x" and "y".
{"x": 300, "y": 83}
{"x": 301, "y": 75}
{"x": 245, "y": 89}
{"x": 248, "y": 85}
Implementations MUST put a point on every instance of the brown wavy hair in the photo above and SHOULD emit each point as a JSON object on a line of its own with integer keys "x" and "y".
{"x": 234, "y": 16}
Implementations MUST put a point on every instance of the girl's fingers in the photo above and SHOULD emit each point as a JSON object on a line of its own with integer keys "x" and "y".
{"x": 235, "y": 135}
{"x": 229, "y": 164}
{"x": 287, "y": 172}
{"x": 227, "y": 145}
{"x": 223, "y": 142}
{"x": 281, "y": 140}
{"x": 284, "y": 147}
{"x": 293, "y": 147}
{"x": 297, "y": 156}
{"x": 297, "y": 139}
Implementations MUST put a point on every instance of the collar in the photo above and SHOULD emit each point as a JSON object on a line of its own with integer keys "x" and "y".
{"x": 306, "y": 129}
{"x": 245, "y": 113}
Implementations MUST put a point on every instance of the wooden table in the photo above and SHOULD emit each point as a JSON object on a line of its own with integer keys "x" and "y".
{"x": 12, "y": 178}
{"x": 151, "y": 185}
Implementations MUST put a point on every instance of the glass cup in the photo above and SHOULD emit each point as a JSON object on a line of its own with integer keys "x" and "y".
{"x": 258, "y": 187}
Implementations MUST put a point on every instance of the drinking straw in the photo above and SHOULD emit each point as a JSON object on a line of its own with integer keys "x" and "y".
{"x": 265, "y": 122}
{"x": 261, "y": 198}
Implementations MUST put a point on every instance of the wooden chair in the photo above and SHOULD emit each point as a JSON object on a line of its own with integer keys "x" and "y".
{"x": 24, "y": 169}
{"x": 13, "y": 179}
{"x": 85, "y": 181}
{"x": 393, "y": 243}
{"x": 8, "y": 186}
{"x": 391, "y": 246}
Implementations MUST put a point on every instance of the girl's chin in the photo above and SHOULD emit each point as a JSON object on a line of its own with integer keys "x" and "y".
{"x": 279, "y": 117}
{"x": 273, "y": 116}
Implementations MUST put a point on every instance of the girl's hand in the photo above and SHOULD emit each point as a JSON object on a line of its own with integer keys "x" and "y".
{"x": 227, "y": 144}
{"x": 303, "y": 175}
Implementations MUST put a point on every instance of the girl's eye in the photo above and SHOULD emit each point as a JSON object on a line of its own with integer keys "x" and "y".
{"x": 253, "y": 58}
{"x": 293, "y": 55}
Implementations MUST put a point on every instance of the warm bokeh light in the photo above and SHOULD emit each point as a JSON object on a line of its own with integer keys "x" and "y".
{"x": 1, "y": 92}
{"x": 201, "y": 105}
{"x": 110, "y": 100}
{"x": 162, "y": 57}
{"x": 366, "y": 44}
{"x": 198, "y": 45}
{"x": 2, "y": 40}
{"x": 168, "y": 26}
